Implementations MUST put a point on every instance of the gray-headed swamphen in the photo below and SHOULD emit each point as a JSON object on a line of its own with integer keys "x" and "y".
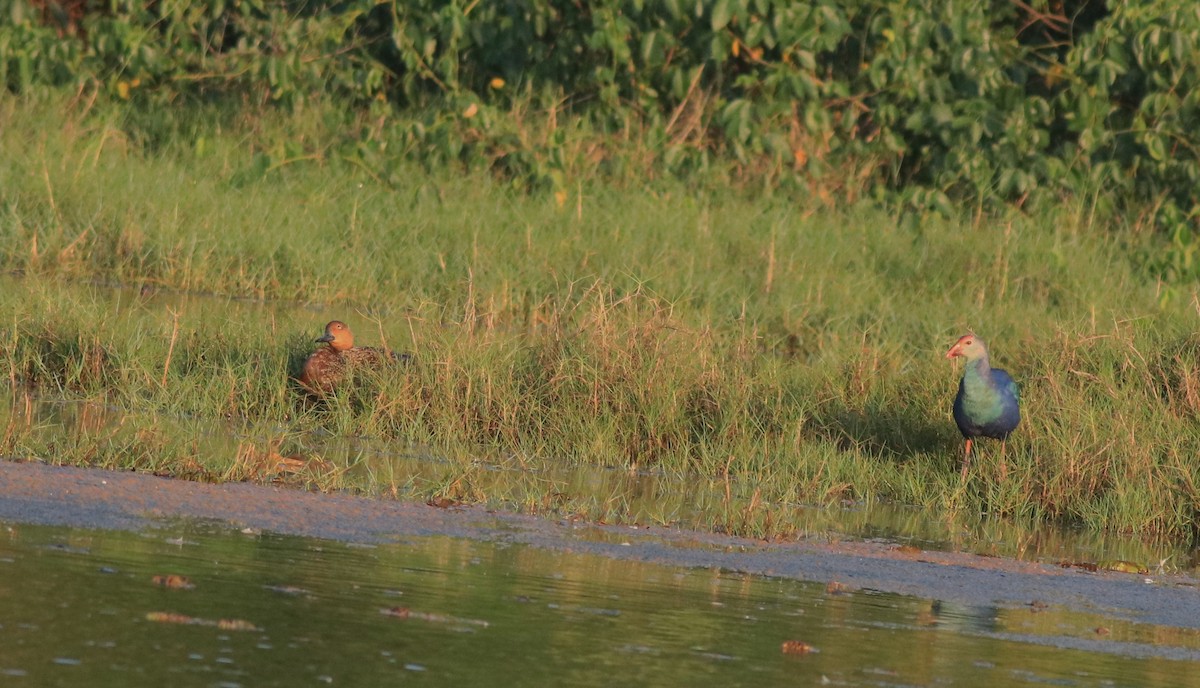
{"x": 988, "y": 402}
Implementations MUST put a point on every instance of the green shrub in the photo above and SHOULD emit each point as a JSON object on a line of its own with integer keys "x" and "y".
{"x": 927, "y": 104}
{"x": 1133, "y": 107}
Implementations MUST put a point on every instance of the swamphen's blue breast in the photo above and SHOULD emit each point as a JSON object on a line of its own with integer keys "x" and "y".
{"x": 988, "y": 403}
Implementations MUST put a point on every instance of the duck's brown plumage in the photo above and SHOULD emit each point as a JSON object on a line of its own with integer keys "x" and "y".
{"x": 328, "y": 365}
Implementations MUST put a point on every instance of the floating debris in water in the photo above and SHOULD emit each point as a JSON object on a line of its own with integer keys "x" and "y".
{"x": 406, "y": 613}
{"x": 797, "y": 647}
{"x": 185, "y": 620}
{"x": 836, "y": 588}
{"x": 173, "y": 581}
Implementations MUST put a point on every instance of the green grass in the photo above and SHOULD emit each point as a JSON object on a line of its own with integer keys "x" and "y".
{"x": 770, "y": 348}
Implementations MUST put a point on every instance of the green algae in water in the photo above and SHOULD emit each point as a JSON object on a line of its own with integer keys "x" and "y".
{"x": 83, "y": 606}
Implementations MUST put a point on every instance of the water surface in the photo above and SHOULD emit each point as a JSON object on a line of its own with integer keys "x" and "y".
{"x": 81, "y": 606}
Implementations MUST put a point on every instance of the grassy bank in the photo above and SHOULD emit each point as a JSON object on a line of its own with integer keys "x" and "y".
{"x": 775, "y": 347}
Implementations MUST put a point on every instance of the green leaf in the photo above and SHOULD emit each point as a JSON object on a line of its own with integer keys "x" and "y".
{"x": 1155, "y": 147}
{"x": 722, "y": 12}
{"x": 941, "y": 114}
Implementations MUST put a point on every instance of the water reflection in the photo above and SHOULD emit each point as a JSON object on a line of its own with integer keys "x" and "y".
{"x": 82, "y": 606}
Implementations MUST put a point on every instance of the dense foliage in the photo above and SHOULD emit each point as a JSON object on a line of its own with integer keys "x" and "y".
{"x": 929, "y": 103}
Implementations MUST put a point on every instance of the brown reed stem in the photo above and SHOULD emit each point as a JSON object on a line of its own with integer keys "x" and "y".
{"x": 171, "y": 347}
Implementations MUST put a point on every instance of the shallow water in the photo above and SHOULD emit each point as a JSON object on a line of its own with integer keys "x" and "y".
{"x": 83, "y": 607}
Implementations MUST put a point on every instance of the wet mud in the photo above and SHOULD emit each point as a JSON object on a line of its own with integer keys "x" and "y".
{"x": 92, "y": 498}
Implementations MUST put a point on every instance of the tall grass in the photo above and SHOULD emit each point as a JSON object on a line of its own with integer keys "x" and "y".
{"x": 772, "y": 347}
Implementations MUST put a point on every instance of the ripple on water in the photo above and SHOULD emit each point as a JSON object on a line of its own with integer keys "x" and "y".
{"x": 294, "y": 611}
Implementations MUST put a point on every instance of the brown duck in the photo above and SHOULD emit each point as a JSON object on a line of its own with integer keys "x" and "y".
{"x": 328, "y": 365}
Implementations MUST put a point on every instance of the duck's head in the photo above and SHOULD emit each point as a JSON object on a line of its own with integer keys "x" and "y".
{"x": 337, "y": 335}
{"x": 969, "y": 347}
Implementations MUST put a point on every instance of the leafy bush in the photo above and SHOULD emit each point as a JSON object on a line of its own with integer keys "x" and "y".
{"x": 927, "y": 104}
{"x": 1133, "y": 107}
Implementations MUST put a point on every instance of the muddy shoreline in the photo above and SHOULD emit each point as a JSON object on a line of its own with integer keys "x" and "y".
{"x": 35, "y": 493}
